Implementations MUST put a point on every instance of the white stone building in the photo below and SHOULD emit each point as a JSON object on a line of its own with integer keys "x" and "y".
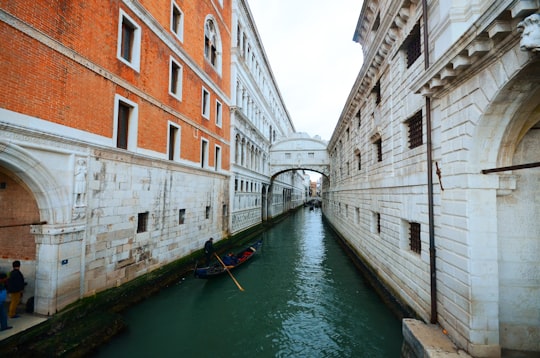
{"x": 435, "y": 165}
{"x": 259, "y": 119}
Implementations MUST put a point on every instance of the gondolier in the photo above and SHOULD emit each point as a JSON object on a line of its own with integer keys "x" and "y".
{"x": 209, "y": 250}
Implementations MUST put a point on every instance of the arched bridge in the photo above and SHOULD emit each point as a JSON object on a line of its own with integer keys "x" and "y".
{"x": 299, "y": 151}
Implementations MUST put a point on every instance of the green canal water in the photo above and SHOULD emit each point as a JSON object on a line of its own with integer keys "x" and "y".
{"x": 302, "y": 297}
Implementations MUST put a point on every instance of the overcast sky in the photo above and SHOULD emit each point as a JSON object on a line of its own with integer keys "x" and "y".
{"x": 313, "y": 57}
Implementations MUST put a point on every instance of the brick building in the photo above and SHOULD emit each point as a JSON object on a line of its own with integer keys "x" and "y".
{"x": 435, "y": 165}
{"x": 114, "y": 137}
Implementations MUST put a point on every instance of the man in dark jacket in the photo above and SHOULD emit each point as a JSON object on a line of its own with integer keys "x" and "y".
{"x": 15, "y": 288}
{"x": 209, "y": 250}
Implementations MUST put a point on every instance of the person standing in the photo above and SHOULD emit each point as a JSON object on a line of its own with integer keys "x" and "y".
{"x": 3, "y": 296}
{"x": 15, "y": 288}
{"x": 209, "y": 250}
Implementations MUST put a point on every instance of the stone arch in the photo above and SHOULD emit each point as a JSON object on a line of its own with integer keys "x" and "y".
{"x": 509, "y": 134}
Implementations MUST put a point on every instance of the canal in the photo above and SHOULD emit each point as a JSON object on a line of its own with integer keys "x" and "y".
{"x": 302, "y": 297}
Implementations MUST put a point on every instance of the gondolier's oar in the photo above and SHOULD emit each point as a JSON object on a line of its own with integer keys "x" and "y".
{"x": 229, "y": 272}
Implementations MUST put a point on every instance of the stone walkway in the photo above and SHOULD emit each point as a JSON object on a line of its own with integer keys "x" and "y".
{"x": 25, "y": 321}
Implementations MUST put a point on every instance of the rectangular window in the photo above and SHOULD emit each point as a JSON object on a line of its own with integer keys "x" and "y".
{"x": 181, "y": 216}
{"x": 129, "y": 41}
{"x": 174, "y": 142}
{"x": 219, "y": 114}
{"x": 204, "y": 153}
{"x": 378, "y": 148}
{"x": 207, "y": 213}
{"x": 177, "y": 21}
{"x": 359, "y": 161}
{"x": 175, "y": 79}
{"x": 378, "y": 217}
{"x": 415, "y": 130}
{"x": 205, "y": 103}
{"x": 359, "y": 118}
{"x": 357, "y": 215}
{"x": 125, "y": 123}
{"x": 348, "y": 134}
{"x": 414, "y": 238}
{"x": 217, "y": 159}
{"x": 377, "y": 91}
{"x": 142, "y": 222}
{"x": 413, "y": 45}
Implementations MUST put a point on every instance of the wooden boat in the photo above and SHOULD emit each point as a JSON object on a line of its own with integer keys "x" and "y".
{"x": 217, "y": 268}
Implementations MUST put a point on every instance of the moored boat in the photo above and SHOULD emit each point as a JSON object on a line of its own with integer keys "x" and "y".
{"x": 231, "y": 262}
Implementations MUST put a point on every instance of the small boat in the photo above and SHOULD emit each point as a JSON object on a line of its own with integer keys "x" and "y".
{"x": 217, "y": 268}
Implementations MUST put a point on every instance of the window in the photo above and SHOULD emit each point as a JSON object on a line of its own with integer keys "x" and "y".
{"x": 348, "y": 133}
{"x": 414, "y": 238}
{"x": 125, "y": 126}
{"x": 219, "y": 114}
{"x": 359, "y": 118}
{"x": 204, "y": 153}
{"x": 359, "y": 161}
{"x": 378, "y": 148}
{"x": 378, "y": 222}
{"x": 177, "y": 21}
{"x": 377, "y": 90}
{"x": 181, "y": 216}
{"x": 175, "y": 79}
{"x": 413, "y": 45}
{"x": 207, "y": 213}
{"x": 217, "y": 159}
{"x": 205, "y": 103}
{"x": 129, "y": 41}
{"x": 415, "y": 130}
{"x": 212, "y": 44}
{"x": 174, "y": 142}
{"x": 142, "y": 222}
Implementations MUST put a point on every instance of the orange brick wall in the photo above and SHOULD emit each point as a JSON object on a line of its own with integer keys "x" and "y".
{"x": 40, "y": 82}
{"x": 17, "y": 206}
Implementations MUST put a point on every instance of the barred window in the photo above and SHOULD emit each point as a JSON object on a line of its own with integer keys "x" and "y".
{"x": 142, "y": 222}
{"x": 378, "y": 145}
{"x": 377, "y": 90}
{"x": 181, "y": 216}
{"x": 414, "y": 237}
{"x": 415, "y": 130}
{"x": 413, "y": 45}
{"x": 378, "y": 223}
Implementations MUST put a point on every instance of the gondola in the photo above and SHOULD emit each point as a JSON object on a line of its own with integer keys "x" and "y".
{"x": 217, "y": 268}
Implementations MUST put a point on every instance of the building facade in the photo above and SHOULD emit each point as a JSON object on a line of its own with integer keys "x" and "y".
{"x": 259, "y": 119}
{"x": 114, "y": 137}
{"x": 435, "y": 165}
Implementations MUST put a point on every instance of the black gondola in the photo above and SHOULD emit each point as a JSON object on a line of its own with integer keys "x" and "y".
{"x": 217, "y": 268}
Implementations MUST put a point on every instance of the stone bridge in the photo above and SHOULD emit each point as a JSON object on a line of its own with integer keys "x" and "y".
{"x": 299, "y": 151}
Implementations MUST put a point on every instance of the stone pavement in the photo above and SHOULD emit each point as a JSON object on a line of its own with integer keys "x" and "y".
{"x": 25, "y": 321}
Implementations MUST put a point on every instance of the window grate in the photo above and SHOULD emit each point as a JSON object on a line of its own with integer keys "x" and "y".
{"x": 415, "y": 130}
{"x": 413, "y": 45}
{"x": 414, "y": 237}
{"x": 378, "y": 144}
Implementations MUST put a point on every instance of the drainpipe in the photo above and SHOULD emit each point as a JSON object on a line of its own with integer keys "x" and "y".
{"x": 432, "y": 253}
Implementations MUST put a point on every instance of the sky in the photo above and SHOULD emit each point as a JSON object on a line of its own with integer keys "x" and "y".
{"x": 312, "y": 55}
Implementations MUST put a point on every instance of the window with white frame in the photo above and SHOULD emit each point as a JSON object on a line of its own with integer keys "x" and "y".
{"x": 205, "y": 103}
{"x": 177, "y": 21}
{"x": 204, "y": 153}
{"x": 174, "y": 142}
{"x": 125, "y": 123}
{"x": 129, "y": 41}
{"x": 219, "y": 113}
{"x": 175, "y": 79}
{"x": 212, "y": 44}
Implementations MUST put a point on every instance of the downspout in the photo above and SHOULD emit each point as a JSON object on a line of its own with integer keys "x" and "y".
{"x": 432, "y": 252}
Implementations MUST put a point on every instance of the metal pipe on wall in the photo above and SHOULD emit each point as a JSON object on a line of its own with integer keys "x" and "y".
{"x": 432, "y": 250}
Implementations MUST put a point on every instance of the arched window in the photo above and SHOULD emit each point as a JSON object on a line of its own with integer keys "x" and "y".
{"x": 212, "y": 44}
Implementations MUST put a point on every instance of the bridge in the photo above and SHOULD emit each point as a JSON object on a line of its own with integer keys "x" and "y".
{"x": 299, "y": 152}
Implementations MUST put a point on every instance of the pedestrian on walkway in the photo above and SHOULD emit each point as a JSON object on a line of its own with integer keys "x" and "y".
{"x": 3, "y": 296}
{"x": 15, "y": 288}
